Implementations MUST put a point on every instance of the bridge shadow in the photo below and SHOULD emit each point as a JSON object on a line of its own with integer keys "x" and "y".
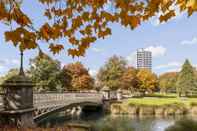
{"x": 91, "y": 112}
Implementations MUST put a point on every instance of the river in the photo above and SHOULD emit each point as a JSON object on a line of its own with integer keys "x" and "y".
{"x": 101, "y": 122}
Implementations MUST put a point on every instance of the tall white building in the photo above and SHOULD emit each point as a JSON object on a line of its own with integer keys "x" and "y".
{"x": 144, "y": 59}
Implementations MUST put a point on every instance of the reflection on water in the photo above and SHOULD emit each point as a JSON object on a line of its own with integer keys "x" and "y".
{"x": 99, "y": 122}
{"x": 161, "y": 125}
{"x": 134, "y": 124}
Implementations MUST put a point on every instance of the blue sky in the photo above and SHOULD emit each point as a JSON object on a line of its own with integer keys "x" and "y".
{"x": 171, "y": 43}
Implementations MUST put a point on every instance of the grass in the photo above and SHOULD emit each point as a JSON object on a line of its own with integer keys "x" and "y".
{"x": 161, "y": 100}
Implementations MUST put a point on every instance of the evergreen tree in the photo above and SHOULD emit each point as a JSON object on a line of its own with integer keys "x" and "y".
{"x": 186, "y": 83}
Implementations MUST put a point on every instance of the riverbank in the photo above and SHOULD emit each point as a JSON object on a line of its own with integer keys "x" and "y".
{"x": 159, "y": 107}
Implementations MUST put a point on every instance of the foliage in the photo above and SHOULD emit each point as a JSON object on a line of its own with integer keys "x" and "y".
{"x": 111, "y": 73}
{"x": 11, "y": 73}
{"x": 148, "y": 80}
{"x": 80, "y": 77}
{"x": 44, "y": 71}
{"x": 167, "y": 81}
{"x": 186, "y": 82}
{"x": 183, "y": 125}
{"x": 129, "y": 79}
{"x": 82, "y": 22}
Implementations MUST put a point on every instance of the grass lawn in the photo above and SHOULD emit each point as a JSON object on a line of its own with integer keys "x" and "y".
{"x": 158, "y": 101}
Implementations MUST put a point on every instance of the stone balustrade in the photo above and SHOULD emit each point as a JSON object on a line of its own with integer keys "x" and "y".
{"x": 46, "y": 100}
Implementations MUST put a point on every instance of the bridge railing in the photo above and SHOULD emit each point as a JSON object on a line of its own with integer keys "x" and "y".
{"x": 55, "y": 99}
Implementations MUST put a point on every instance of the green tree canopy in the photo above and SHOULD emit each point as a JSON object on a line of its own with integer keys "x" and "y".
{"x": 111, "y": 73}
{"x": 44, "y": 71}
{"x": 186, "y": 82}
{"x": 11, "y": 73}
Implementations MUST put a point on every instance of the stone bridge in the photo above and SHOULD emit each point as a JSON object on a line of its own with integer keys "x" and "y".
{"x": 48, "y": 103}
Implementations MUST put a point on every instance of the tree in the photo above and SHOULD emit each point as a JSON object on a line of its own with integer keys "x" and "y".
{"x": 111, "y": 73}
{"x": 129, "y": 79}
{"x": 148, "y": 80}
{"x": 80, "y": 77}
{"x": 82, "y": 22}
{"x": 167, "y": 81}
{"x": 186, "y": 82}
{"x": 11, "y": 73}
{"x": 44, "y": 71}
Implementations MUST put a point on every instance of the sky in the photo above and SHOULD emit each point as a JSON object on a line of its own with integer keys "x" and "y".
{"x": 170, "y": 43}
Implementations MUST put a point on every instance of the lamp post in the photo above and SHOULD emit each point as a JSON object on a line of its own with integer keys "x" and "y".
{"x": 18, "y": 99}
{"x": 21, "y": 67}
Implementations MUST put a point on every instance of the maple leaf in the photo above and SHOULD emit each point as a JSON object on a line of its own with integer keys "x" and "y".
{"x": 82, "y": 22}
{"x": 167, "y": 16}
{"x": 134, "y": 21}
{"x": 56, "y": 48}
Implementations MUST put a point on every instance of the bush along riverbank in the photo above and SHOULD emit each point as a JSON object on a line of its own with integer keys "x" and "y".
{"x": 173, "y": 109}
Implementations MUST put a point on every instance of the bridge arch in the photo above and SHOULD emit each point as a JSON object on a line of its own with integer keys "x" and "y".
{"x": 47, "y": 112}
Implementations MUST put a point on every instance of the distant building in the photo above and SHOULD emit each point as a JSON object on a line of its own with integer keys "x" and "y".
{"x": 144, "y": 59}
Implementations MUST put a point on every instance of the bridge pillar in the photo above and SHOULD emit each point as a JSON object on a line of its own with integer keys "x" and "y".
{"x": 18, "y": 101}
{"x": 106, "y": 93}
{"x": 119, "y": 94}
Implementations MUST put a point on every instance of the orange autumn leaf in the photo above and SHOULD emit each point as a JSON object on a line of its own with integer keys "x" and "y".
{"x": 56, "y": 48}
{"x": 166, "y": 17}
{"x": 75, "y": 20}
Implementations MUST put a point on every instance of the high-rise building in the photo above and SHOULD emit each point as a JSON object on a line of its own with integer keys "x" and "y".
{"x": 144, "y": 59}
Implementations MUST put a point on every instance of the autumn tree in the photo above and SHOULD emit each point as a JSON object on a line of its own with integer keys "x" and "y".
{"x": 186, "y": 81}
{"x": 44, "y": 71}
{"x": 148, "y": 80}
{"x": 129, "y": 80}
{"x": 82, "y": 22}
{"x": 167, "y": 82}
{"x": 111, "y": 73}
{"x": 80, "y": 78}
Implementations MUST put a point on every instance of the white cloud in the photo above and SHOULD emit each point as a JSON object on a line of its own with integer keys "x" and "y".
{"x": 9, "y": 62}
{"x": 156, "y": 50}
{"x": 178, "y": 69}
{"x": 190, "y": 42}
{"x": 169, "y": 65}
{"x": 1, "y": 67}
{"x": 5, "y": 64}
{"x": 97, "y": 50}
{"x": 132, "y": 59}
{"x": 93, "y": 73}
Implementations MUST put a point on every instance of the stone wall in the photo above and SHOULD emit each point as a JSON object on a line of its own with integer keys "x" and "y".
{"x": 158, "y": 111}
